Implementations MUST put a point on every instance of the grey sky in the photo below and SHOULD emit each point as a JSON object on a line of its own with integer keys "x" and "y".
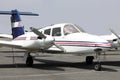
{"x": 94, "y": 16}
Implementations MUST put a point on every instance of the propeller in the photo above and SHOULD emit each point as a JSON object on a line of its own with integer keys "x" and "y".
{"x": 59, "y": 47}
{"x": 41, "y": 35}
{"x": 115, "y": 35}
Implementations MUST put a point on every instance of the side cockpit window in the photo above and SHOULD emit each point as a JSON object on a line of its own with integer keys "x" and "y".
{"x": 47, "y": 31}
{"x": 56, "y": 31}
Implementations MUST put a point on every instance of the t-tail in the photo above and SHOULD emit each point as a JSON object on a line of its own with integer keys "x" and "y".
{"x": 16, "y": 23}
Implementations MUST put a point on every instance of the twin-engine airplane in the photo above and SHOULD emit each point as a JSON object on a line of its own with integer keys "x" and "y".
{"x": 64, "y": 38}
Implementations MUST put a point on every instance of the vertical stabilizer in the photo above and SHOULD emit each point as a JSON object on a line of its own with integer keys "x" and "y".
{"x": 16, "y": 24}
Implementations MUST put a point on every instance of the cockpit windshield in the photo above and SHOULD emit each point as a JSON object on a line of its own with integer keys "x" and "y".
{"x": 68, "y": 29}
{"x": 80, "y": 29}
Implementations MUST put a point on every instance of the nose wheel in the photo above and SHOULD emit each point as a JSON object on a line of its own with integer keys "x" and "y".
{"x": 98, "y": 66}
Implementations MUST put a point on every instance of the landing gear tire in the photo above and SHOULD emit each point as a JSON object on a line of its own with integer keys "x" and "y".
{"x": 89, "y": 60}
{"x": 29, "y": 61}
{"x": 98, "y": 67}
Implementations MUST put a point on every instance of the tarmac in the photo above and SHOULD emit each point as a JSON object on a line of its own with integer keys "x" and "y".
{"x": 57, "y": 66}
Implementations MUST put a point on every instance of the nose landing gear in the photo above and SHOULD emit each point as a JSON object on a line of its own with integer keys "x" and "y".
{"x": 98, "y": 66}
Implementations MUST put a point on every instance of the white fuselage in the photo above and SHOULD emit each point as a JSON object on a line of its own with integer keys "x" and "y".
{"x": 81, "y": 43}
{"x": 72, "y": 43}
{"x": 76, "y": 41}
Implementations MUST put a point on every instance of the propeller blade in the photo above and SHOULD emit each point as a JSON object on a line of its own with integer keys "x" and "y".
{"x": 115, "y": 33}
{"x": 40, "y": 34}
{"x": 61, "y": 48}
{"x": 118, "y": 38}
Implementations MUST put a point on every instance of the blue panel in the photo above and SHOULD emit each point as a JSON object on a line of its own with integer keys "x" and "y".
{"x": 17, "y": 31}
{"x": 15, "y": 16}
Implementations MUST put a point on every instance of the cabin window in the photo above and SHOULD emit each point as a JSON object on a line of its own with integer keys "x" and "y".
{"x": 47, "y": 31}
{"x": 56, "y": 31}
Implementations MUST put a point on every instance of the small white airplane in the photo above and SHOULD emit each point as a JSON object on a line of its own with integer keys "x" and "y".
{"x": 64, "y": 38}
{"x": 113, "y": 39}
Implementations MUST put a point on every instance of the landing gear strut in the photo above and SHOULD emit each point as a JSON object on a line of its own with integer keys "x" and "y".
{"x": 97, "y": 66}
{"x": 89, "y": 60}
{"x": 29, "y": 60}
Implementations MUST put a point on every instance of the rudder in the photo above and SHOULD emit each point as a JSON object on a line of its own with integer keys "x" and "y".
{"x": 16, "y": 24}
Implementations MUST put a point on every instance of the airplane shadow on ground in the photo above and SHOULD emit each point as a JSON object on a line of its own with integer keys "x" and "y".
{"x": 80, "y": 65}
{"x": 59, "y": 65}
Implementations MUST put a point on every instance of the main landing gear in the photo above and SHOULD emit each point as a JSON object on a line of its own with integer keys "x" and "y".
{"x": 29, "y": 60}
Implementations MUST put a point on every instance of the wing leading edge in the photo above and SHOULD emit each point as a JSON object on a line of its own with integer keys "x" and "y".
{"x": 9, "y": 44}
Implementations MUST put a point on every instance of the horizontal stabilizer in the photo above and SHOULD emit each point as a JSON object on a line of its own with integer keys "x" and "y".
{"x": 21, "y": 13}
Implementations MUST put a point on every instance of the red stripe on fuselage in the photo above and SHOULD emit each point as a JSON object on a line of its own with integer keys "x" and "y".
{"x": 24, "y": 38}
{"x": 89, "y": 44}
{"x": 20, "y": 38}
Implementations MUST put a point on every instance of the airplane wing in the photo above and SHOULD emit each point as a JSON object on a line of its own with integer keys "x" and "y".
{"x": 9, "y": 44}
{"x": 6, "y": 36}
